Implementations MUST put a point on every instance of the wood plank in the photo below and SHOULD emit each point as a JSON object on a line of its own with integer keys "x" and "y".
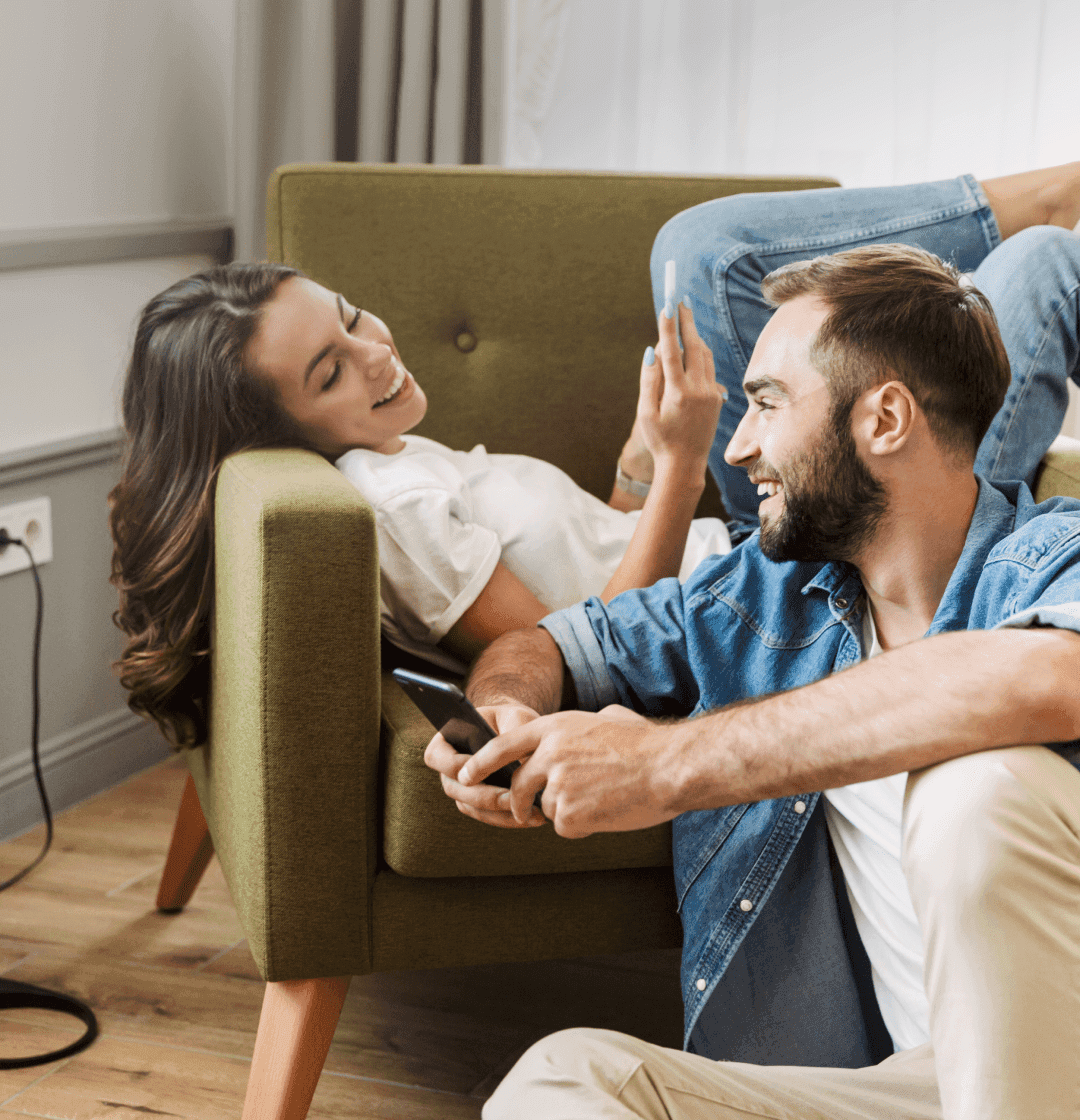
{"x": 160, "y": 1005}
{"x": 338, "y": 1097}
{"x": 21, "y": 1040}
{"x": 124, "y": 1080}
{"x": 117, "y": 928}
{"x": 179, "y": 996}
{"x": 11, "y": 956}
{"x": 121, "y": 1078}
{"x": 236, "y": 961}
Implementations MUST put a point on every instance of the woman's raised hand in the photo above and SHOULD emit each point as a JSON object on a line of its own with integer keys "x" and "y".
{"x": 679, "y": 402}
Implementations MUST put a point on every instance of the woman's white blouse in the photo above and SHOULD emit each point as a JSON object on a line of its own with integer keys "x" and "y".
{"x": 446, "y": 518}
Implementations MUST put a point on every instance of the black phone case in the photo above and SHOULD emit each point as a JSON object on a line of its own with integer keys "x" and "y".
{"x": 453, "y": 716}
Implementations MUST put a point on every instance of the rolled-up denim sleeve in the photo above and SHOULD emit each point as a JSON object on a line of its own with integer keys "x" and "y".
{"x": 632, "y": 651}
{"x": 584, "y": 657}
{"x": 1064, "y": 616}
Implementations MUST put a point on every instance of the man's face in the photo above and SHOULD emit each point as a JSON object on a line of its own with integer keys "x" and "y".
{"x": 820, "y": 500}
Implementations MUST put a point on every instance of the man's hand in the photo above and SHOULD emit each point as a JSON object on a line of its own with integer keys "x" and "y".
{"x": 599, "y": 772}
{"x": 487, "y": 803}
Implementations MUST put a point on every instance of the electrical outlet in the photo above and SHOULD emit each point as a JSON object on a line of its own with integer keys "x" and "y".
{"x": 30, "y": 522}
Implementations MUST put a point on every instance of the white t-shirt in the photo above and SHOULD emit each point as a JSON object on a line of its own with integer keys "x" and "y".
{"x": 864, "y": 822}
{"x": 446, "y": 518}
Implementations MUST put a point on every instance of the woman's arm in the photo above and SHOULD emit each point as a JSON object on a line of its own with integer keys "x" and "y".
{"x": 636, "y": 462}
{"x": 504, "y": 604}
{"x": 678, "y": 409}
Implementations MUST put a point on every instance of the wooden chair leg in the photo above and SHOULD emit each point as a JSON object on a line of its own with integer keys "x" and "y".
{"x": 189, "y": 853}
{"x": 296, "y": 1027}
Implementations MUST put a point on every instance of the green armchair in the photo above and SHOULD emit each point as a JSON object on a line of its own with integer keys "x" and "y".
{"x": 521, "y": 301}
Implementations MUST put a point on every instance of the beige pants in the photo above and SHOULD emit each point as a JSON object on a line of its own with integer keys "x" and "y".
{"x": 991, "y": 851}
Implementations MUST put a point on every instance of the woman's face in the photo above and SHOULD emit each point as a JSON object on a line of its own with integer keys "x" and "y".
{"x": 336, "y": 368}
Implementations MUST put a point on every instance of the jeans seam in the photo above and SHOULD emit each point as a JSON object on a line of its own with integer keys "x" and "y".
{"x": 985, "y": 213}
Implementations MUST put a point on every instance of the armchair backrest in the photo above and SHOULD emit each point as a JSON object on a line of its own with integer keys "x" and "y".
{"x": 519, "y": 299}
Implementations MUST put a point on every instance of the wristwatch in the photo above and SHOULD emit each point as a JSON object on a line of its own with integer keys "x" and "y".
{"x": 631, "y": 485}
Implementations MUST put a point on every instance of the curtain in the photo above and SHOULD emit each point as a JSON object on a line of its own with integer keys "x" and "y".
{"x": 872, "y": 93}
{"x": 411, "y": 81}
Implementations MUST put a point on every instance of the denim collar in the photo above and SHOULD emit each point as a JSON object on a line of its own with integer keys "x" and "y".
{"x": 993, "y": 519}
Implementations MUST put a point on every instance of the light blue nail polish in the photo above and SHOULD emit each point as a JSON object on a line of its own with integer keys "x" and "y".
{"x": 685, "y": 301}
{"x": 650, "y": 356}
{"x": 669, "y": 310}
{"x": 724, "y": 392}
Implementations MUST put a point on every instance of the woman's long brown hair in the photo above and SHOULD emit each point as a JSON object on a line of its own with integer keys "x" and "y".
{"x": 188, "y": 403}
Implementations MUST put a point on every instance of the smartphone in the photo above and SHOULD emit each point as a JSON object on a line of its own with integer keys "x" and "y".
{"x": 450, "y": 713}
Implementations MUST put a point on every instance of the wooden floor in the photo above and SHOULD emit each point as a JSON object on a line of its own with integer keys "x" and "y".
{"x": 178, "y": 997}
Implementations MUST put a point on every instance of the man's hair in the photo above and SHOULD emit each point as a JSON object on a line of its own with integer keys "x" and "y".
{"x": 897, "y": 312}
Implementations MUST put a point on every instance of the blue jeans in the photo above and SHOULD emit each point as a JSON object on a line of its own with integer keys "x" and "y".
{"x": 724, "y": 248}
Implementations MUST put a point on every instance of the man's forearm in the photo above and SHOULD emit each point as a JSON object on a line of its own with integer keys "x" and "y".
{"x": 926, "y": 702}
{"x": 521, "y": 667}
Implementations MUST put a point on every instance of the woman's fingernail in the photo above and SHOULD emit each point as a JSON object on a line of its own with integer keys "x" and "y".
{"x": 669, "y": 310}
{"x": 650, "y": 356}
{"x": 685, "y": 301}
{"x": 724, "y": 392}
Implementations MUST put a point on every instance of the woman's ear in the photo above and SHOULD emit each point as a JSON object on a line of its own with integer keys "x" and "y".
{"x": 885, "y": 418}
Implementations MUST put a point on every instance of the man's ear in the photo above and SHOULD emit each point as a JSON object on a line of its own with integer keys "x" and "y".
{"x": 884, "y": 418}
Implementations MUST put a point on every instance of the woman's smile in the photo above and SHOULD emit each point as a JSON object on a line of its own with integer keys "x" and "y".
{"x": 399, "y": 387}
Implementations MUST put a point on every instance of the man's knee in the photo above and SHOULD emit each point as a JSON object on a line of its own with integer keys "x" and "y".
{"x": 1041, "y": 256}
{"x": 582, "y": 1062}
{"x": 966, "y": 820}
{"x": 697, "y": 238}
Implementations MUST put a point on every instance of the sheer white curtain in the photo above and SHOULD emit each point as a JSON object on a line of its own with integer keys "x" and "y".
{"x": 870, "y": 91}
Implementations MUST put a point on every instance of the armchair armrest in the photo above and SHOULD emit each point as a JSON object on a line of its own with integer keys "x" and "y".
{"x": 288, "y": 779}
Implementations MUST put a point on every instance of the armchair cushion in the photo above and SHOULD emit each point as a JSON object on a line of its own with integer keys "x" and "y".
{"x": 424, "y": 834}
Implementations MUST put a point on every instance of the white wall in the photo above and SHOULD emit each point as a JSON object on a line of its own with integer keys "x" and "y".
{"x": 111, "y": 111}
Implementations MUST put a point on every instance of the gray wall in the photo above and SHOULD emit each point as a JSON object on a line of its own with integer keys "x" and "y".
{"x": 89, "y": 738}
{"x": 115, "y": 128}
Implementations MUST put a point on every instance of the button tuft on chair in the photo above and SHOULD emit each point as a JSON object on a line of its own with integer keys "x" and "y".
{"x": 465, "y": 341}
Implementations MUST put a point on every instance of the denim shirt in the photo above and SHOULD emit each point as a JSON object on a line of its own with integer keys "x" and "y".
{"x": 744, "y": 626}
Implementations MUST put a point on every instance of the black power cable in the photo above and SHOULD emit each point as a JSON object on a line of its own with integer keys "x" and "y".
{"x": 12, "y": 992}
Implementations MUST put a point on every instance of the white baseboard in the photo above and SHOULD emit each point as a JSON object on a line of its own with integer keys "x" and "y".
{"x": 77, "y": 764}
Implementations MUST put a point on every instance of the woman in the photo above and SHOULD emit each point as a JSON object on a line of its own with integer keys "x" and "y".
{"x": 259, "y": 356}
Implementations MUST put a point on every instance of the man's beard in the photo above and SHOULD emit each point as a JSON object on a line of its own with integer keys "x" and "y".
{"x": 832, "y": 503}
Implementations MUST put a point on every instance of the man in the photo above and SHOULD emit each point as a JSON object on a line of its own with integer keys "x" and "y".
{"x": 953, "y": 933}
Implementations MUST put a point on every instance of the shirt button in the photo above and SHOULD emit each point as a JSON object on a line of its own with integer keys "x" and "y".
{"x": 700, "y": 985}
{"x": 842, "y": 604}
{"x": 799, "y": 806}
{"x": 746, "y": 904}
{"x": 465, "y": 341}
